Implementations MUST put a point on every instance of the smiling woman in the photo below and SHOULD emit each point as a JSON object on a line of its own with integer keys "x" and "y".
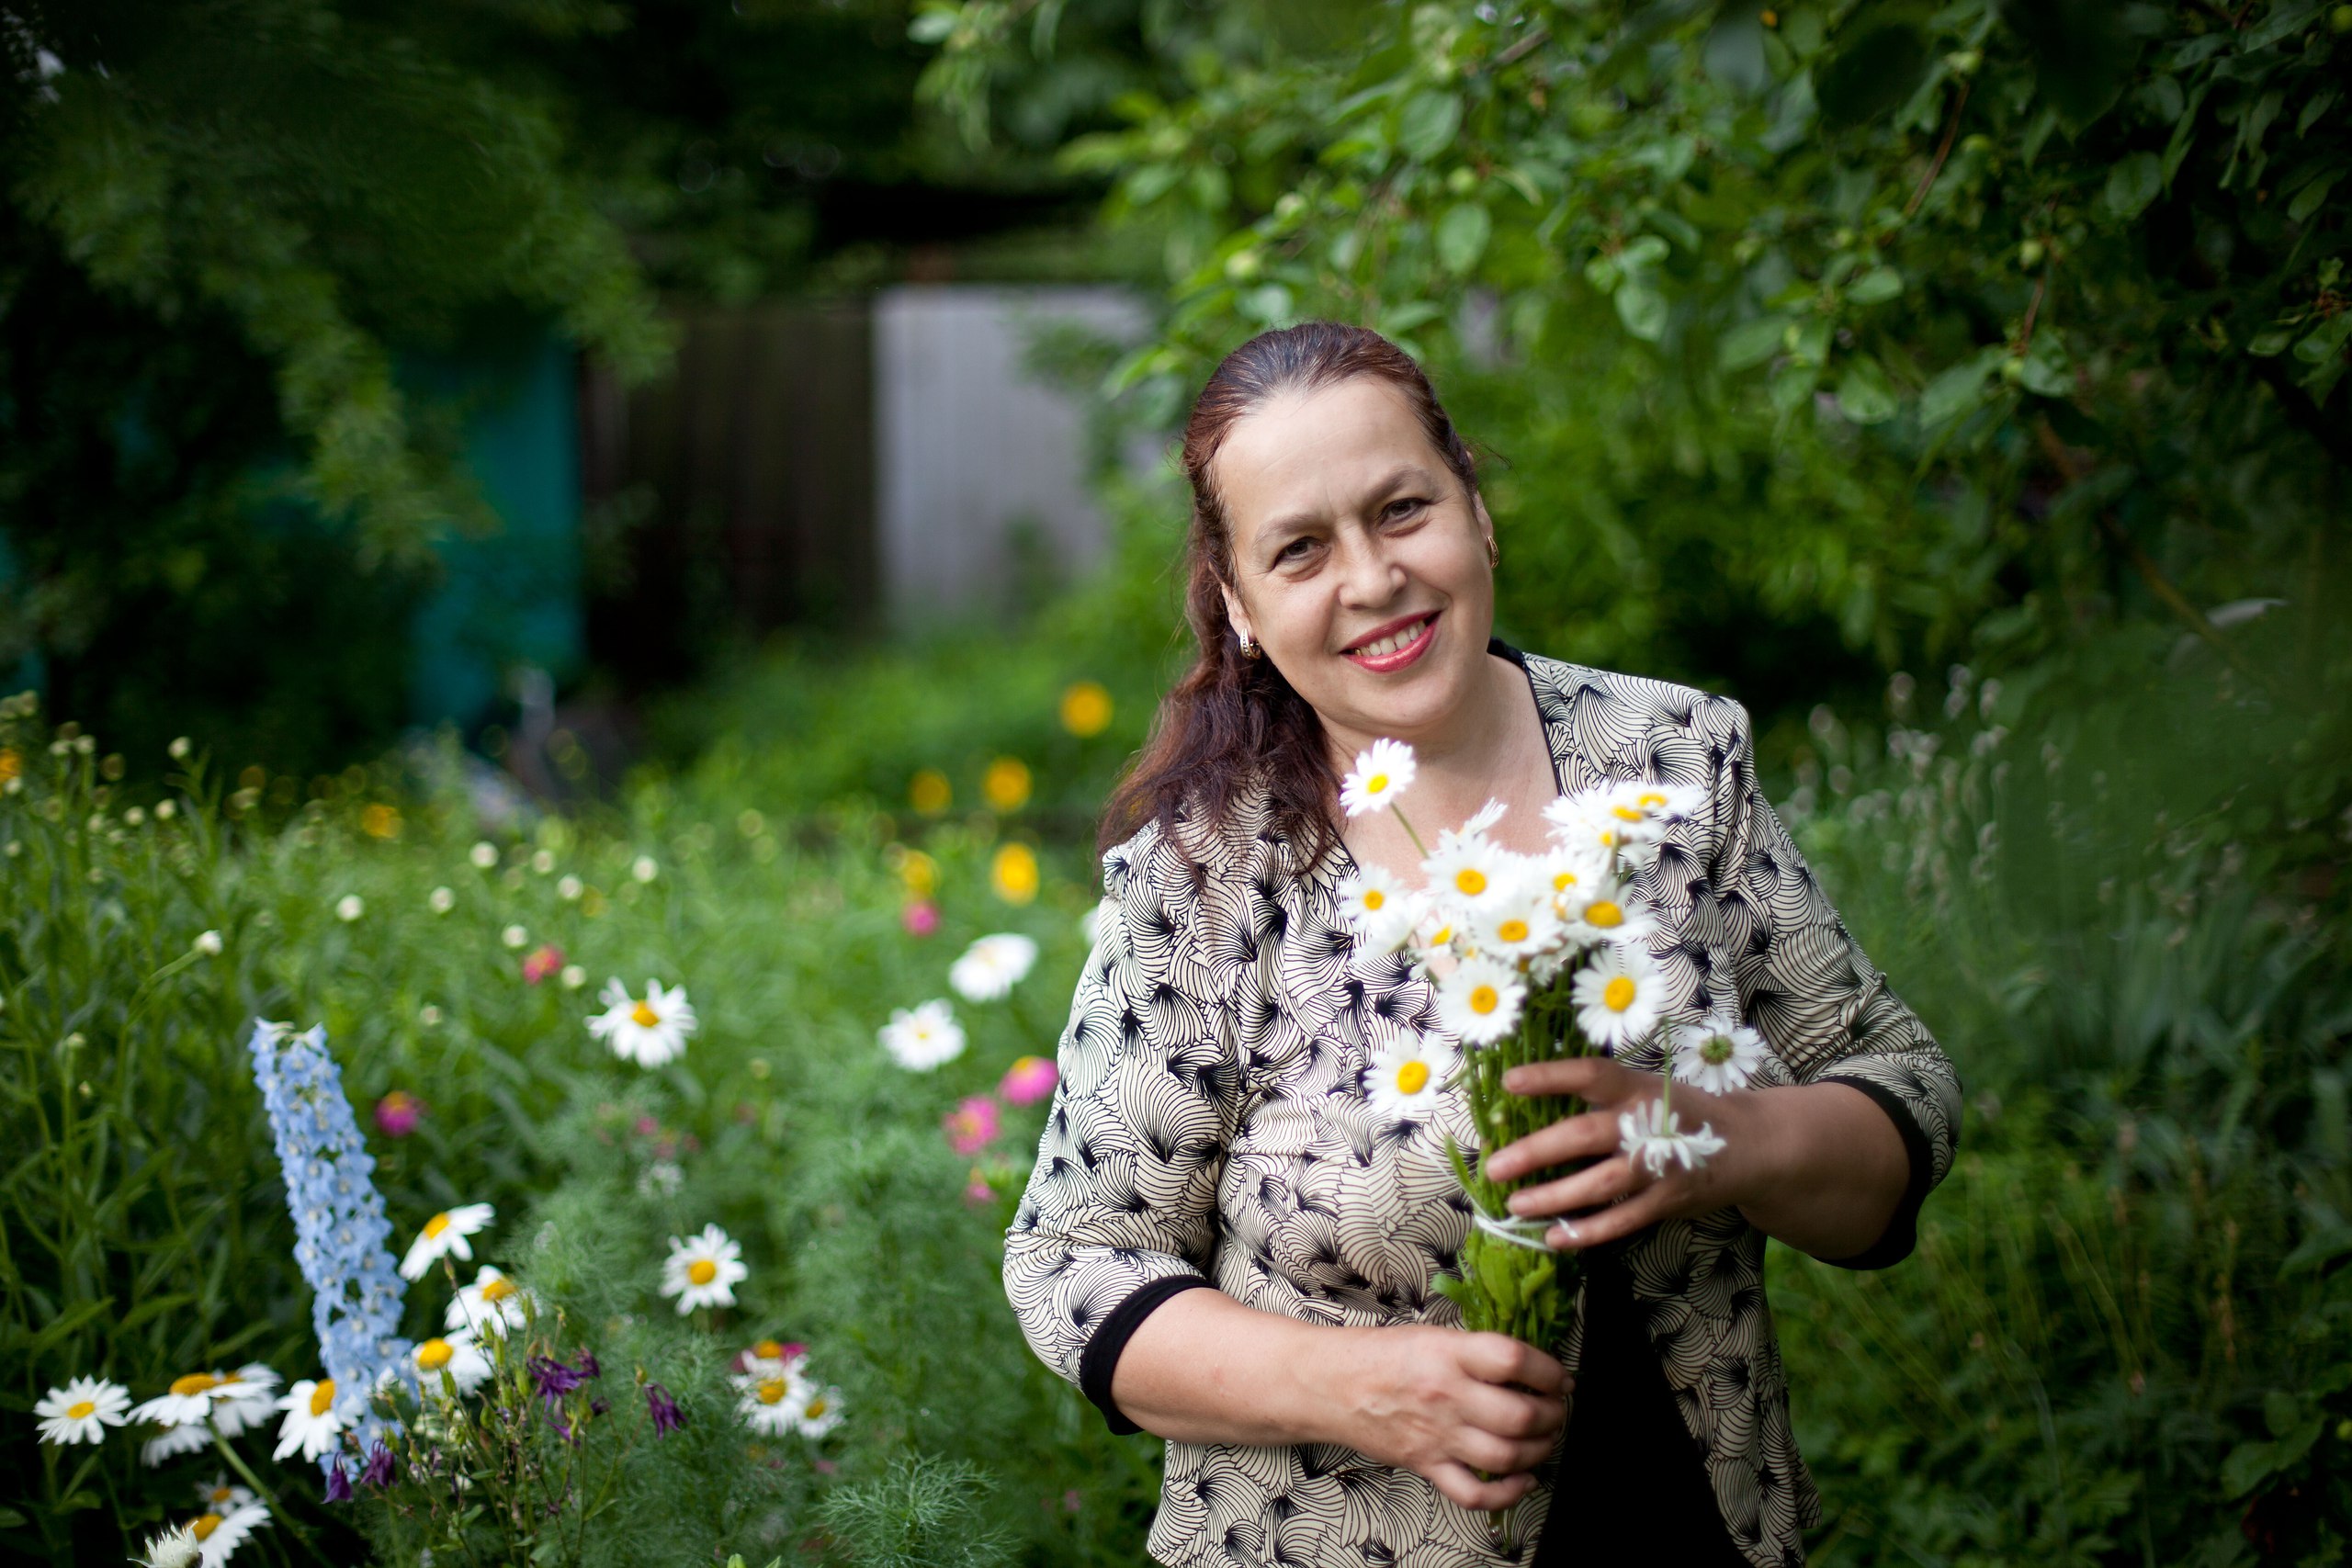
{"x": 1243, "y": 1205}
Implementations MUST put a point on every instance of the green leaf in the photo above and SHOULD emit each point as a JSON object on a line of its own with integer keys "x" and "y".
{"x": 10, "y": 1520}
{"x": 2247, "y": 1467}
{"x": 2308, "y": 200}
{"x": 1864, "y": 394}
{"x": 1959, "y": 388}
{"x": 933, "y": 25}
{"x": 1875, "y": 286}
{"x": 2282, "y": 22}
{"x": 2133, "y": 183}
{"x": 1750, "y": 344}
{"x": 1461, "y": 236}
{"x": 1873, "y": 74}
{"x": 1428, "y": 124}
{"x": 1642, "y": 309}
{"x": 2280, "y": 1411}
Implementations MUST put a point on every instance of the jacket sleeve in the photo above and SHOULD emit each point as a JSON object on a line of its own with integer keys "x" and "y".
{"x": 1121, "y": 1208}
{"x": 1806, "y": 984}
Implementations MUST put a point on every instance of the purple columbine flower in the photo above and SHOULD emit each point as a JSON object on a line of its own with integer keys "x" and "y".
{"x": 554, "y": 1380}
{"x": 667, "y": 1416}
{"x": 588, "y": 1366}
{"x": 377, "y": 1470}
{"x": 338, "y": 1484}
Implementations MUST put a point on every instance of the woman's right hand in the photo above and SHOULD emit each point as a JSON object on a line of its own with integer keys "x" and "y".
{"x": 1449, "y": 1405}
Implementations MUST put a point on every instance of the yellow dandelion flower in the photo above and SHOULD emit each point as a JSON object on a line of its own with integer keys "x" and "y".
{"x": 1006, "y": 783}
{"x": 930, "y": 792}
{"x": 1013, "y": 873}
{"x": 1086, "y": 709}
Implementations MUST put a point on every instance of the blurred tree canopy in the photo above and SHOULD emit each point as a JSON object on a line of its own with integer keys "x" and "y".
{"x": 227, "y": 226}
{"x": 1815, "y": 340}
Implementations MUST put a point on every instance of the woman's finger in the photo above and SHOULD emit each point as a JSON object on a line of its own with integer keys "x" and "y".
{"x": 1658, "y": 1201}
{"x": 1596, "y": 1079}
{"x": 1460, "y": 1484}
{"x": 1606, "y": 1182}
{"x": 1512, "y": 1416}
{"x": 1571, "y": 1137}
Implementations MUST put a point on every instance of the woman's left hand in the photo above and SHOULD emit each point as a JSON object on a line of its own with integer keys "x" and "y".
{"x": 1632, "y": 1196}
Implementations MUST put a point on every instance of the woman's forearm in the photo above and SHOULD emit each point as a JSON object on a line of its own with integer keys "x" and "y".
{"x": 1204, "y": 1369}
{"x": 1836, "y": 1172}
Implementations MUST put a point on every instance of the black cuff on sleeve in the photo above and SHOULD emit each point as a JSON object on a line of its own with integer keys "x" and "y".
{"x": 1101, "y": 1357}
{"x": 1902, "y": 1233}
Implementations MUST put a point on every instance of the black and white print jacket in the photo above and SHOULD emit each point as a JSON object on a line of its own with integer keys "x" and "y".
{"x": 1210, "y": 1128}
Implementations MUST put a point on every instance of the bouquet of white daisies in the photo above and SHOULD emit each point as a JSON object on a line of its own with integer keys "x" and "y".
{"x": 1534, "y": 958}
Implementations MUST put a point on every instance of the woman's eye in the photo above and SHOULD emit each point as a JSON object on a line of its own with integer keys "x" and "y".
{"x": 1403, "y": 507}
{"x": 1296, "y": 550}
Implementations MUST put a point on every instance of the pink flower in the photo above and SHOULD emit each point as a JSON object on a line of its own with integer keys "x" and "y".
{"x": 921, "y": 917}
{"x": 397, "y": 1113}
{"x": 1030, "y": 1080}
{"x": 976, "y": 1191}
{"x": 972, "y": 1125}
{"x": 547, "y": 961}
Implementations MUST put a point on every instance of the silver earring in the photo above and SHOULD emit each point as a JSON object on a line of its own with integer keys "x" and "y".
{"x": 1248, "y": 649}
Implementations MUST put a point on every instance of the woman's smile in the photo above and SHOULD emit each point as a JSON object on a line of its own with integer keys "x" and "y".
{"x": 1399, "y": 643}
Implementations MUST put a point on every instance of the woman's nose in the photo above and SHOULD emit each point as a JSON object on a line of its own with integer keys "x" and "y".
{"x": 1368, "y": 576}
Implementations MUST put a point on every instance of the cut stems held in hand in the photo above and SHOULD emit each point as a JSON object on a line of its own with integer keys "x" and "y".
{"x": 1534, "y": 958}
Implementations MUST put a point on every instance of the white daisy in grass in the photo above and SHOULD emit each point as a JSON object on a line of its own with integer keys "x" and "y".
{"x": 921, "y": 1038}
{"x": 1619, "y": 997}
{"x": 1383, "y": 772}
{"x": 704, "y": 1270}
{"x": 81, "y": 1411}
{"x": 1605, "y": 910}
{"x": 1381, "y": 907}
{"x": 218, "y": 1536}
{"x": 311, "y": 1424}
{"x": 173, "y": 1548}
{"x": 1519, "y": 924}
{"x": 649, "y": 1029}
{"x": 245, "y": 1398}
{"x": 771, "y": 1395}
{"x": 1652, "y": 1135}
{"x": 820, "y": 1412}
{"x": 1404, "y": 1076}
{"x": 1718, "y": 1054}
{"x": 456, "y": 1356}
{"x": 189, "y": 1399}
{"x": 443, "y": 1235}
{"x": 219, "y": 1496}
{"x": 491, "y": 1304}
{"x": 992, "y": 966}
{"x": 1479, "y": 1002}
{"x": 1471, "y": 874}
{"x": 170, "y": 1442}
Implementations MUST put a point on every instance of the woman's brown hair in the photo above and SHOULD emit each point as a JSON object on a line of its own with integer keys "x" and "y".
{"x": 1233, "y": 724}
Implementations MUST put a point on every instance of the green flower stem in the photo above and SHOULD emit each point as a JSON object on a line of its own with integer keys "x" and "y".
{"x": 276, "y": 1511}
{"x": 1409, "y": 830}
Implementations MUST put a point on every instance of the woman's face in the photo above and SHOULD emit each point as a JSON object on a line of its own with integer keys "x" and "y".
{"x": 1360, "y": 564}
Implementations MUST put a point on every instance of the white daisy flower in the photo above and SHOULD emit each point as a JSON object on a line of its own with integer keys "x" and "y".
{"x": 208, "y": 944}
{"x": 1660, "y": 804}
{"x": 514, "y": 936}
{"x": 820, "y": 1412}
{"x": 644, "y": 869}
{"x": 1480, "y": 820}
{"x": 456, "y": 1355}
{"x": 1618, "y": 997}
{"x": 1381, "y": 907}
{"x": 1437, "y": 928}
{"x": 349, "y": 907}
{"x": 173, "y": 1548}
{"x": 484, "y": 854}
{"x": 992, "y": 966}
{"x": 1606, "y": 909}
{"x": 1592, "y": 819}
{"x": 1718, "y": 1054}
{"x": 81, "y": 1411}
{"x": 1383, "y": 772}
{"x": 1404, "y": 1078}
{"x": 190, "y": 1399}
{"x": 921, "y": 1039}
{"x": 1479, "y": 1002}
{"x": 219, "y": 1535}
{"x": 491, "y": 1304}
{"x": 220, "y": 1495}
{"x": 1652, "y": 1135}
{"x": 311, "y": 1424}
{"x": 170, "y": 1442}
{"x": 443, "y": 1235}
{"x": 649, "y": 1031}
{"x": 1519, "y": 924}
{"x": 704, "y": 1270}
{"x": 1470, "y": 874}
{"x": 1569, "y": 868}
{"x": 441, "y": 900}
{"x": 772, "y": 1394}
{"x": 244, "y": 1399}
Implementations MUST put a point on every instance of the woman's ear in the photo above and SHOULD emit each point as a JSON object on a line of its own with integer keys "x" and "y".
{"x": 1485, "y": 528}
{"x": 1234, "y": 615}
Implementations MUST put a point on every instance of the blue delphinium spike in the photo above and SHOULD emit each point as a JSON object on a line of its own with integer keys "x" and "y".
{"x": 340, "y": 1231}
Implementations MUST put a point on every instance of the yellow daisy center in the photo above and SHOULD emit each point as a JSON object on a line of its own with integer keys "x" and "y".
{"x": 702, "y": 1270}
{"x": 768, "y": 1350}
{"x": 196, "y": 1383}
{"x": 1485, "y": 999}
{"x": 1602, "y": 913}
{"x": 220, "y": 1495}
{"x": 434, "y": 1354}
{"x": 203, "y": 1524}
{"x": 1374, "y": 898}
{"x": 436, "y": 1225}
{"x": 643, "y": 1016}
{"x": 1626, "y": 813}
{"x": 1512, "y": 931}
{"x": 1412, "y": 1078}
{"x": 498, "y": 1290}
{"x": 1563, "y": 880}
{"x": 322, "y": 1397}
{"x": 1618, "y": 995}
{"x": 1376, "y": 784}
{"x": 772, "y": 1391}
{"x": 80, "y": 1409}
{"x": 1651, "y": 797}
{"x": 1471, "y": 881}
{"x": 815, "y": 1408}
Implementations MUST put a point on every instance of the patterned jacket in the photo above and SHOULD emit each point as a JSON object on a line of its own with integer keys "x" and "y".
{"x": 1211, "y": 1127}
